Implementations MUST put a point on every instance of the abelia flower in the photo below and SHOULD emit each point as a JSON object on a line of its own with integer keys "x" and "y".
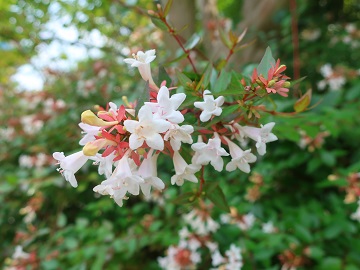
{"x": 209, "y": 106}
{"x": 147, "y": 130}
{"x": 261, "y": 135}
{"x": 148, "y": 171}
{"x": 120, "y": 182}
{"x": 89, "y": 133}
{"x": 183, "y": 171}
{"x": 211, "y": 152}
{"x": 105, "y": 164}
{"x": 178, "y": 134}
{"x": 70, "y": 165}
{"x": 240, "y": 158}
{"x": 166, "y": 106}
{"x": 142, "y": 61}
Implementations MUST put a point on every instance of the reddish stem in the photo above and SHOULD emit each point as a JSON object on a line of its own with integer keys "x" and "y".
{"x": 202, "y": 180}
{"x": 177, "y": 38}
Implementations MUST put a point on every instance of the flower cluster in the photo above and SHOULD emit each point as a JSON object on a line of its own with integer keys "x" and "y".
{"x": 125, "y": 140}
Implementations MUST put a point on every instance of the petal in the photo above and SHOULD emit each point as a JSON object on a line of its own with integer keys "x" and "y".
{"x": 191, "y": 178}
{"x": 271, "y": 137}
{"x": 217, "y": 163}
{"x": 177, "y": 99}
{"x": 155, "y": 141}
{"x": 205, "y": 116}
{"x": 161, "y": 125}
{"x": 135, "y": 141}
{"x": 131, "y": 125}
{"x": 231, "y": 166}
{"x": 219, "y": 101}
{"x": 58, "y": 156}
{"x": 145, "y": 113}
{"x": 200, "y": 105}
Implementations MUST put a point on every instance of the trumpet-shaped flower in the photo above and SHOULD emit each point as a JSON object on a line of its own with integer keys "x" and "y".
{"x": 70, "y": 165}
{"x": 240, "y": 159}
{"x": 89, "y": 133}
{"x": 105, "y": 164}
{"x": 148, "y": 172}
{"x": 147, "y": 130}
{"x": 178, "y": 134}
{"x": 209, "y": 106}
{"x": 142, "y": 61}
{"x": 211, "y": 152}
{"x": 183, "y": 171}
{"x": 261, "y": 135}
{"x": 166, "y": 106}
{"x": 120, "y": 182}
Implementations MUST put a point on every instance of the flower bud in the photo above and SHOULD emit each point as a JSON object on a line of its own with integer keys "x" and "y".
{"x": 271, "y": 83}
{"x": 88, "y": 117}
{"x": 286, "y": 84}
{"x": 91, "y": 148}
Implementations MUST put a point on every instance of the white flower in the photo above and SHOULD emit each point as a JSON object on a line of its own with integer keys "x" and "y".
{"x": 261, "y": 135}
{"x": 210, "y": 152}
{"x": 90, "y": 133}
{"x": 20, "y": 254}
{"x": 148, "y": 172}
{"x": 209, "y": 106}
{"x": 183, "y": 171}
{"x": 142, "y": 61}
{"x": 120, "y": 182}
{"x": 234, "y": 253}
{"x": 268, "y": 227}
{"x": 178, "y": 134}
{"x": 105, "y": 164}
{"x": 216, "y": 258}
{"x": 240, "y": 159}
{"x": 166, "y": 106}
{"x": 356, "y": 214}
{"x": 147, "y": 130}
{"x": 70, "y": 165}
{"x": 247, "y": 222}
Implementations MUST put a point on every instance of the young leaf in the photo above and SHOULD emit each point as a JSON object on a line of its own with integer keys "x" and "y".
{"x": 217, "y": 197}
{"x": 159, "y": 23}
{"x": 167, "y": 7}
{"x": 163, "y": 76}
{"x": 222, "y": 82}
{"x": 192, "y": 42}
{"x": 183, "y": 79}
{"x": 266, "y": 63}
{"x": 144, "y": 96}
{"x": 302, "y": 103}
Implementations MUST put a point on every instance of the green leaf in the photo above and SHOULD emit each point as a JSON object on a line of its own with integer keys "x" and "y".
{"x": 183, "y": 79}
{"x": 144, "y": 96}
{"x": 266, "y": 63}
{"x": 316, "y": 252}
{"x": 167, "y": 7}
{"x": 187, "y": 197}
{"x": 159, "y": 23}
{"x": 205, "y": 78}
{"x": 163, "y": 76}
{"x": 302, "y": 103}
{"x": 303, "y": 233}
{"x": 330, "y": 263}
{"x": 217, "y": 197}
{"x": 192, "y": 42}
{"x": 222, "y": 82}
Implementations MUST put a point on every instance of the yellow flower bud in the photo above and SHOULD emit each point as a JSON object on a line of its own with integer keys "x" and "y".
{"x": 286, "y": 84}
{"x": 91, "y": 148}
{"x": 271, "y": 83}
{"x": 88, "y": 117}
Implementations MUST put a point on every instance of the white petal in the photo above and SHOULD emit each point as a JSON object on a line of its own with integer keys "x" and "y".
{"x": 155, "y": 141}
